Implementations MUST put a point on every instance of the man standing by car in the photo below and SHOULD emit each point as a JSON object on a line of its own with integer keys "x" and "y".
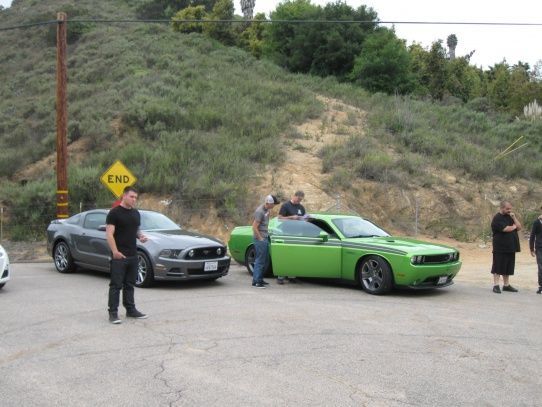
{"x": 505, "y": 228}
{"x": 535, "y": 244}
{"x": 293, "y": 210}
{"x": 260, "y": 237}
{"x": 122, "y": 230}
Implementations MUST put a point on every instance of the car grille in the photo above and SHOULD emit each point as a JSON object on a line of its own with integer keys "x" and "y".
{"x": 206, "y": 253}
{"x": 439, "y": 259}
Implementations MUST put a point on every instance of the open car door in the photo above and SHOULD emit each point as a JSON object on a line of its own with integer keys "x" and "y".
{"x": 302, "y": 249}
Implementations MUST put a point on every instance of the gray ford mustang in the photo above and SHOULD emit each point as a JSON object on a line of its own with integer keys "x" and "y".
{"x": 171, "y": 253}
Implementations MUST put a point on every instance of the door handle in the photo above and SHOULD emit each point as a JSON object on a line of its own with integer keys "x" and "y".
{"x": 278, "y": 241}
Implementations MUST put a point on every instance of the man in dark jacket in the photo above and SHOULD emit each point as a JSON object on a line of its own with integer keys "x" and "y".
{"x": 505, "y": 228}
{"x": 535, "y": 244}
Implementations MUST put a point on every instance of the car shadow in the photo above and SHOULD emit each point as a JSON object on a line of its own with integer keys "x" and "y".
{"x": 395, "y": 292}
{"x": 187, "y": 284}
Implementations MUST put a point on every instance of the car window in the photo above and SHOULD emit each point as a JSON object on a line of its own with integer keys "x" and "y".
{"x": 156, "y": 221}
{"x": 74, "y": 220}
{"x": 324, "y": 226}
{"x": 296, "y": 228}
{"x": 358, "y": 227}
{"x": 94, "y": 220}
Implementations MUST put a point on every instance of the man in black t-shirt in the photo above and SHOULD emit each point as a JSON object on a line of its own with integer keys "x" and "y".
{"x": 535, "y": 245}
{"x": 292, "y": 210}
{"x": 122, "y": 230}
{"x": 505, "y": 227}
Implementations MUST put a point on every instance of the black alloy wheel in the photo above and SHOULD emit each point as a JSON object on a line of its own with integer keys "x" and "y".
{"x": 375, "y": 275}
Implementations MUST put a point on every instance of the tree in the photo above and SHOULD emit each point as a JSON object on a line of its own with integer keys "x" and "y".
{"x": 499, "y": 85}
{"x": 251, "y": 37}
{"x": 451, "y": 41}
{"x": 436, "y": 70}
{"x": 317, "y": 48}
{"x": 222, "y": 10}
{"x": 384, "y": 64}
{"x": 189, "y": 13}
{"x": 247, "y": 7}
{"x": 157, "y": 9}
{"x": 463, "y": 80}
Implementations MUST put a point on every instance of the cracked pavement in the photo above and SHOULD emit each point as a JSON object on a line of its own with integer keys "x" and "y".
{"x": 226, "y": 343}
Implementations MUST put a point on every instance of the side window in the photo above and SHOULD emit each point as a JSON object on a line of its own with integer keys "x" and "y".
{"x": 297, "y": 228}
{"x": 94, "y": 220}
{"x": 324, "y": 226}
{"x": 74, "y": 220}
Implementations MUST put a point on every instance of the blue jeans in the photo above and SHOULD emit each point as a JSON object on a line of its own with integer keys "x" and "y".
{"x": 261, "y": 261}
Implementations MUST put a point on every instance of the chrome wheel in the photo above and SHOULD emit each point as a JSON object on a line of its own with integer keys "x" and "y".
{"x": 63, "y": 258}
{"x": 145, "y": 275}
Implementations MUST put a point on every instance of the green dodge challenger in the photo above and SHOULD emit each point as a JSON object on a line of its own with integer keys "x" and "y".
{"x": 350, "y": 248}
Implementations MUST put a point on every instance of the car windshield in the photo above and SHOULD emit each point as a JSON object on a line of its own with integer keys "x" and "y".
{"x": 357, "y": 227}
{"x": 156, "y": 221}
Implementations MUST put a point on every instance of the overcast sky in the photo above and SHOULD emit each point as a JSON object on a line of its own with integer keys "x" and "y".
{"x": 492, "y": 44}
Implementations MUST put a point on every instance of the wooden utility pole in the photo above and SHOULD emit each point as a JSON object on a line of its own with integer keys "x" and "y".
{"x": 61, "y": 118}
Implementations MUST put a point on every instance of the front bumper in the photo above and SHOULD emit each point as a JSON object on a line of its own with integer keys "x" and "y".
{"x": 4, "y": 271}
{"x": 428, "y": 276}
{"x": 180, "y": 269}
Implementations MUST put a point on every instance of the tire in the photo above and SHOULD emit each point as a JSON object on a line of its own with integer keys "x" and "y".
{"x": 2, "y": 285}
{"x": 145, "y": 274}
{"x": 375, "y": 275}
{"x": 62, "y": 257}
{"x": 250, "y": 256}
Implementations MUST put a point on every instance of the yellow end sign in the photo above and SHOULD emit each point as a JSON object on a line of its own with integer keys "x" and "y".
{"x": 118, "y": 177}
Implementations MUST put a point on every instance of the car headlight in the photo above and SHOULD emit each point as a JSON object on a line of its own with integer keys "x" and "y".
{"x": 219, "y": 251}
{"x": 170, "y": 253}
{"x": 191, "y": 253}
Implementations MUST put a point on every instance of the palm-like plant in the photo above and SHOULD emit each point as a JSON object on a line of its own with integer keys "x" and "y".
{"x": 451, "y": 41}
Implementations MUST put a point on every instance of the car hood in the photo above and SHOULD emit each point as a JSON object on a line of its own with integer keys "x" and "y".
{"x": 401, "y": 245}
{"x": 181, "y": 238}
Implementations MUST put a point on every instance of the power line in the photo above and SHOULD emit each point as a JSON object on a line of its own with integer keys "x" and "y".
{"x": 242, "y": 21}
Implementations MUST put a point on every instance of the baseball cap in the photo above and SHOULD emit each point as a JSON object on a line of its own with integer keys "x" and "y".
{"x": 271, "y": 199}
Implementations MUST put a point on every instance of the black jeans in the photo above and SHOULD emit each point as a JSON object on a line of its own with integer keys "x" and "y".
{"x": 123, "y": 277}
{"x": 539, "y": 263}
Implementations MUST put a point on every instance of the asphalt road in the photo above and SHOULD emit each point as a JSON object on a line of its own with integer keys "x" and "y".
{"x": 225, "y": 343}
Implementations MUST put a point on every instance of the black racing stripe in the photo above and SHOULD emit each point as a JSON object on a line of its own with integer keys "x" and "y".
{"x": 373, "y": 247}
{"x": 318, "y": 241}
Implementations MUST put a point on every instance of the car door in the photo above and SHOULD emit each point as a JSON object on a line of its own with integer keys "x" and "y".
{"x": 92, "y": 243}
{"x": 301, "y": 249}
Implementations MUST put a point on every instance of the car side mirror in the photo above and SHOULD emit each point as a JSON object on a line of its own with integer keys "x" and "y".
{"x": 324, "y": 236}
{"x": 101, "y": 228}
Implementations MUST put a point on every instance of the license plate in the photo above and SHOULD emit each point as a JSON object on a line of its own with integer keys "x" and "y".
{"x": 442, "y": 280}
{"x": 210, "y": 266}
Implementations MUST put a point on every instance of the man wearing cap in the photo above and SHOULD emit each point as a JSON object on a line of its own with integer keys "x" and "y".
{"x": 535, "y": 244}
{"x": 260, "y": 237}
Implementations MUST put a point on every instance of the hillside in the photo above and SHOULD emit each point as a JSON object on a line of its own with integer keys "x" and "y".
{"x": 209, "y": 129}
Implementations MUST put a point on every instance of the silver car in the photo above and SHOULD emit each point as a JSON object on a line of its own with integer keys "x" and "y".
{"x": 171, "y": 253}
